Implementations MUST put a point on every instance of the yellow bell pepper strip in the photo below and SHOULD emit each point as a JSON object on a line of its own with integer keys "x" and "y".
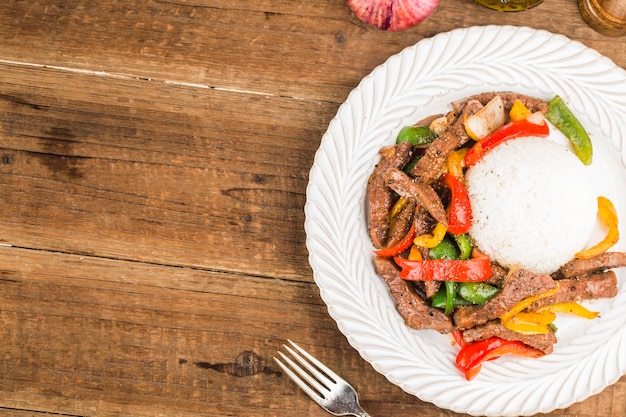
{"x": 473, "y": 355}
{"x": 454, "y": 165}
{"x": 562, "y": 117}
{"x": 539, "y": 317}
{"x": 401, "y": 246}
{"x": 460, "y": 209}
{"x": 431, "y": 240}
{"x": 525, "y": 327}
{"x": 476, "y": 269}
{"x": 397, "y": 208}
{"x": 608, "y": 215}
{"x": 415, "y": 254}
{"x": 526, "y": 302}
{"x": 511, "y": 130}
{"x": 571, "y": 308}
{"x": 519, "y": 111}
{"x": 530, "y": 323}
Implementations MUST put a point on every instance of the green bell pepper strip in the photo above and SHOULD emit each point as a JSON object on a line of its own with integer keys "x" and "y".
{"x": 477, "y": 292}
{"x": 446, "y": 249}
{"x": 416, "y": 135}
{"x": 439, "y": 300}
{"x": 465, "y": 246}
{"x": 562, "y": 117}
{"x": 451, "y": 289}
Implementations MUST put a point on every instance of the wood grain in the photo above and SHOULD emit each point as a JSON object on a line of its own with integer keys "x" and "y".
{"x": 154, "y": 158}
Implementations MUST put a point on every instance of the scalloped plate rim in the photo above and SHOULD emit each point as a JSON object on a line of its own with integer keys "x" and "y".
{"x": 348, "y": 324}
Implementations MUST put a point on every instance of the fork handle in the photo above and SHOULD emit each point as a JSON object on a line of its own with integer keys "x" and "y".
{"x": 359, "y": 412}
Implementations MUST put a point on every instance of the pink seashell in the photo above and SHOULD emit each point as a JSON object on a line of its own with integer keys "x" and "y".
{"x": 392, "y": 15}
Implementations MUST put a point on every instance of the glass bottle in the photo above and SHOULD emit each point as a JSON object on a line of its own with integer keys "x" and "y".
{"x": 509, "y": 5}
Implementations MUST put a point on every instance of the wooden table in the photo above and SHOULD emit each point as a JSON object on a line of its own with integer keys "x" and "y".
{"x": 154, "y": 156}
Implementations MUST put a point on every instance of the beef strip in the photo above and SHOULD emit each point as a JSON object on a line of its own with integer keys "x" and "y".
{"x": 498, "y": 275}
{"x": 493, "y": 328}
{"x": 508, "y": 98}
{"x": 429, "y": 166}
{"x": 380, "y": 196}
{"x": 426, "y": 121}
{"x": 416, "y": 313}
{"x": 424, "y": 223}
{"x": 601, "y": 262}
{"x": 417, "y": 191}
{"x": 402, "y": 224}
{"x": 586, "y": 287}
{"x": 519, "y": 284}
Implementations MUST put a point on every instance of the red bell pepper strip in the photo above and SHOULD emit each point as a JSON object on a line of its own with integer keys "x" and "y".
{"x": 460, "y": 210}
{"x": 458, "y": 338}
{"x": 476, "y": 269}
{"x": 399, "y": 247}
{"x": 471, "y": 356}
{"x": 510, "y": 130}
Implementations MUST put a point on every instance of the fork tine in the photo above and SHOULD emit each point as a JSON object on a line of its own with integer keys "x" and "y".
{"x": 333, "y": 394}
{"x": 319, "y": 376}
{"x": 295, "y": 378}
{"x": 320, "y": 365}
{"x": 320, "y": 386}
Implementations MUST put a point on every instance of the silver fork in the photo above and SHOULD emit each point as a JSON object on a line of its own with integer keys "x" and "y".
{"x": 324, "y": 386}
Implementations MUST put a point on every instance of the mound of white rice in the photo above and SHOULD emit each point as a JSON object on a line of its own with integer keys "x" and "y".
{"x": 533, "y": 204}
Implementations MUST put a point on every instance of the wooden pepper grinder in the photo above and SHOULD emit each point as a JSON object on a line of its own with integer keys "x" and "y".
{"x": 607, "y": 17}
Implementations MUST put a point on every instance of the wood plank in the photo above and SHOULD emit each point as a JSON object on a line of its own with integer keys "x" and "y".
{"x": 131, "y": 339}
{"x": 116, "y": 337}
{"x": 156, "y": 172}
{"x": 313, "y": 50}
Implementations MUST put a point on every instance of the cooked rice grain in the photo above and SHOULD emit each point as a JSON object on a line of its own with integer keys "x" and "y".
{"x": 533, "y": 204}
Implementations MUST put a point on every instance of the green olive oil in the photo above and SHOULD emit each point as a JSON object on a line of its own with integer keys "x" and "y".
{"x": 509, "y": 5}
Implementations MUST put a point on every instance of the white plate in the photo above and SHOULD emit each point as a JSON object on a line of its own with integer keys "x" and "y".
{"x": 419, "y": 81}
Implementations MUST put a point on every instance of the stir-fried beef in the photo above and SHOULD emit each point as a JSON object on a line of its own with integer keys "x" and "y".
{"x": 498, "y": 275}
{"x": 424, "y": 223}
{"x": 426, "y": 121}
{"x": 578, "y": 280}
{"x": 417, "y": 191}
{"x": 380, "y": 196}
{"x": 601, "y": 262}
{"x": 493, "y": 328}
{"x": 402, "y": 224}
{"x": 416, "y": 313}
{"x": 519, "y": 284}
{"x": 508, "y": 98}
{"x": 458, "y": 127}
{"x": 586, "y": 287}
{"x": 429, "y": 166}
